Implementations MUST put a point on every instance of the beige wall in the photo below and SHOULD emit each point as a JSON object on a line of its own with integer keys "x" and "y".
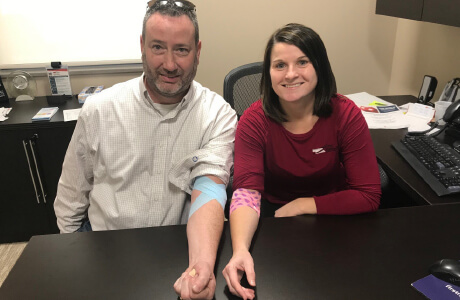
{"x": 378, "y": 54}
{"x": 424, "y": 49}
{"x": 360, "y": 44}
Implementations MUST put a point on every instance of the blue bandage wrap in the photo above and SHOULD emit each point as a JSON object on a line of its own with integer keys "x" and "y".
{"x": 209, "y": 191}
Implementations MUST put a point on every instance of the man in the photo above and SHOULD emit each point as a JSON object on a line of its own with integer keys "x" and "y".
{"x": 141, "y": 147}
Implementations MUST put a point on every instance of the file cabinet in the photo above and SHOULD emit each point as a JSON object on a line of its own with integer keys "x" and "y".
{"x": 31, "y": 156}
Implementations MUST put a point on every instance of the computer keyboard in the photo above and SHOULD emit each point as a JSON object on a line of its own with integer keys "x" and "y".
{"x": 437, "y": 163}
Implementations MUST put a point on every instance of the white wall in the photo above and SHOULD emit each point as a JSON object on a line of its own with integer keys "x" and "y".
{"x": 378, "y": 54}
{"x": 54, "y": 30}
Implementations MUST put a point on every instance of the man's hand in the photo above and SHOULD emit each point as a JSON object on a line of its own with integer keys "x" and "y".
{"x": 299, "y": 206}
{"x": 197, "y": 282}
{"x": 240, "y": 263}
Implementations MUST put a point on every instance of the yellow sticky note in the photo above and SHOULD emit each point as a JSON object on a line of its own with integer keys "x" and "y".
{"x": 376, "y": 103}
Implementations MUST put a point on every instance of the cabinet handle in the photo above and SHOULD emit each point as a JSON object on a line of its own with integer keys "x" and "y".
{"x": 31, "y": 144}
{"x": 30, "y": 170}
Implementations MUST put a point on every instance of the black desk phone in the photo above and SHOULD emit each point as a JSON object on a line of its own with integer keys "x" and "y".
{"x": 452, "y": 119}
{"x": 451, "y": 91}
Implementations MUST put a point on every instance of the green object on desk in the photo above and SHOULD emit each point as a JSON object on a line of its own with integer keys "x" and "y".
{"x": 376, "y": 103}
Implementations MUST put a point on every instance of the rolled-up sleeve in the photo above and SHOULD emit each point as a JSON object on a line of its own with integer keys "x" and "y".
{"x": 215, "y": 156}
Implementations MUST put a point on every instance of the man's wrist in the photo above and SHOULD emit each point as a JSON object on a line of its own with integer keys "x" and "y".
{"x": 201, "y": 260}
{"x": 200, "y": 265}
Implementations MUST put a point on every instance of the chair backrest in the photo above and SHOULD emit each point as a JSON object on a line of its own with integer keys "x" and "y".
{"x": 242, "y": 86}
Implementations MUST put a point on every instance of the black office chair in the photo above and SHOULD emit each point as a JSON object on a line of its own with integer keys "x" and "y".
{"x": 384, "y": 180}
{"x": 241, "y": 89}
{"x": 241, "y": 86}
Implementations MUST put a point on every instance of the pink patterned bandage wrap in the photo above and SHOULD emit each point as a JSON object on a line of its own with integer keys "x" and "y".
{"x": 244, "y": 197}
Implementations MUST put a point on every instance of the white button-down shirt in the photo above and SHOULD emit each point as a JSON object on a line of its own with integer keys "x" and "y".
{"x": 132, "y": 165}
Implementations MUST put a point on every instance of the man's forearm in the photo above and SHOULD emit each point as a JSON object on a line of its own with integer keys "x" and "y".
{"x": 204, "y": 230}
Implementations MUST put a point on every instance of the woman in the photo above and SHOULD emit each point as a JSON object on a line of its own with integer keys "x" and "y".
{"x": 302, "y": 148}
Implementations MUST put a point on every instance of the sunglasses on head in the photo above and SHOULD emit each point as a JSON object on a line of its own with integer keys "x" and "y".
{"x": 184, "y": 4}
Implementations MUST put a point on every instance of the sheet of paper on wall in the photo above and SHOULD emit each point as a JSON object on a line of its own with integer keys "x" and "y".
{"x": 59, "y": 80}
{"x": 418, "y": 116}
{"x": 379, "y": 114}
{"x": 71, "y": 114}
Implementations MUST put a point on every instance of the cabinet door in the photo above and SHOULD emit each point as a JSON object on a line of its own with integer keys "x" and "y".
{"x": 409, "y": 9}
{"x": 23, "y": 211}
{"x": 442, "y": 11}
{"x": 52, "y": 145}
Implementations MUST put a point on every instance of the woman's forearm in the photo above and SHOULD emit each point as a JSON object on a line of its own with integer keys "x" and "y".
{"x": 243, "y": 224}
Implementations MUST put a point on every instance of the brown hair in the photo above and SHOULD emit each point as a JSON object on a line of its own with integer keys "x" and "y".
{"x": 169, "y": 8}
{"x": 309, "y": 42}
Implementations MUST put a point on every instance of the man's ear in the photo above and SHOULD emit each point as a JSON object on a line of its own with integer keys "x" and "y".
{"x": 142, "y": 44}
{"x": 198, "y": 51}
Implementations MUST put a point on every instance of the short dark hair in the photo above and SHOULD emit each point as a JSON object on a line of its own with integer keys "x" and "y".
{"x": 309, "y": 42}
{"x": 169, "y": 8}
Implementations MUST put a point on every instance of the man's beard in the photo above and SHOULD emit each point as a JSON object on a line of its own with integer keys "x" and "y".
{"x": 181, "y": 87}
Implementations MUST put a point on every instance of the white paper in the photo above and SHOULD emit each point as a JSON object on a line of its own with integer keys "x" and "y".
{"x": 421, "y": 111}
{"x": 379, "y": 114}
{"x": 4, "y": 112}
{"x": 71, "y": 114}
{"x": 365, "y": 99}
{"x": 418, "y": 116}
{"x": 389, "y": 120}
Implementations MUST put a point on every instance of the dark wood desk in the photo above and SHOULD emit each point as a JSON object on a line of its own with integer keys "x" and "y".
{"x": 369, "y": 256}
{"x": 23, "y": 111}
{"x": 398, "y": 169}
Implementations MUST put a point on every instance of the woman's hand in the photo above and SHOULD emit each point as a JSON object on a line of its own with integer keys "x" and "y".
{"x": 299, "y": 206}
{"x": 240, "y": 263}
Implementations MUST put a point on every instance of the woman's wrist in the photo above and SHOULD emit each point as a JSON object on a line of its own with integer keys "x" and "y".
{"x": 241, "y": 250}
{"x": 239, "y": 246}
{"x": 308, "y": 206}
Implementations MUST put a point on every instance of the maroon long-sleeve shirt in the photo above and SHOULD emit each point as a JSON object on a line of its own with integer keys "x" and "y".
{"x": 334, "y": 162}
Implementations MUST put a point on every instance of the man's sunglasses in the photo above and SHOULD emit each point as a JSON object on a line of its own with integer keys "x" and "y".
{"x": 184, "y": 4}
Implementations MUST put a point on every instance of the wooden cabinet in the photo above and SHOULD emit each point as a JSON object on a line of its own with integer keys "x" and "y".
{"x": 442, "y": 11}
{"x": 408, "y": 9}
{"x": 31, "y": 161}
{"x": 445, "y": 12}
